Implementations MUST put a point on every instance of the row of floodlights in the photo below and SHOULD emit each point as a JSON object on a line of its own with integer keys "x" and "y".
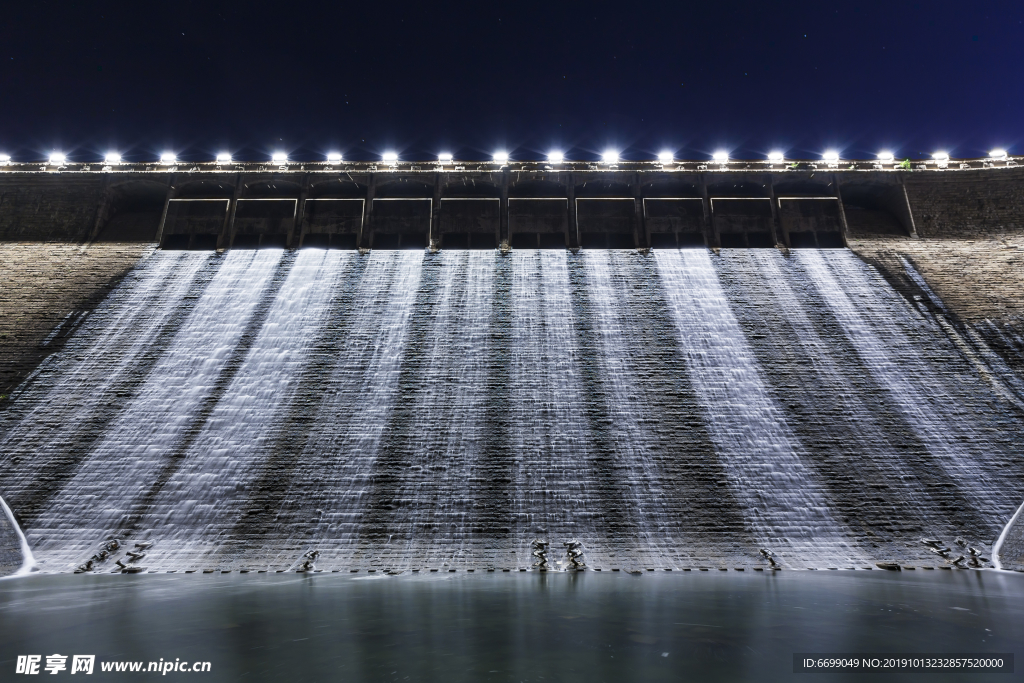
{"x": 608, "y": 157}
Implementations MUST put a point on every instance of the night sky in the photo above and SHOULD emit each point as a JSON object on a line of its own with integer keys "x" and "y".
{"x": 470, "y": 78}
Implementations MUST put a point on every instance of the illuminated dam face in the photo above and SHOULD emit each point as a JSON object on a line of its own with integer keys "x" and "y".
{"x": 399, "y": 409}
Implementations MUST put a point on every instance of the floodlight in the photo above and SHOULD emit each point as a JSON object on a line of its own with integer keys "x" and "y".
{"x": 279, "y": 157}
{"x": 776, "y": 157}
{"x": 112, "y": 158}
{"x": 555, "y": 157}
{"x": 666, "y": 157}
{"x": 610, "y": 156}
{"x": 831, "y": 156}
{"x": 223, "y": 158}
{"x": 168, "y": 158}
{"x": 721, "y": 156}
{"x": 334, "y": 157}
{"x": 941, "y": 156}
{"x": 5, "y": 158}
{"x": 390, "y": 157}
{"x": 444, "y": 157}
{"x": 886, "y": 157}
{"x": 998, "y": 154}
{"x": 56, "y": 159}
{"x": 500, "y": 157}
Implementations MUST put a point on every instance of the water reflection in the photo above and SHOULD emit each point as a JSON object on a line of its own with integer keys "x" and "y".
{"x": 509, "y": 627}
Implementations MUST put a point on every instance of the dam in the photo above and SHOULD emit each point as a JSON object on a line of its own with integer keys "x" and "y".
{"x": 423, "y": 368}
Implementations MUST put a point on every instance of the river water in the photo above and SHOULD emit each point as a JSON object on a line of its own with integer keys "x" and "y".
{"x": 511, "y": 627}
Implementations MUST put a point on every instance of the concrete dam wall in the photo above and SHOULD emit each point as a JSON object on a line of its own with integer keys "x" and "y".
{"x": 839, "y": 381}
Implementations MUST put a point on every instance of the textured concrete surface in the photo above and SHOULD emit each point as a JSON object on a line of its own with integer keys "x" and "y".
{"x": 485, "y": 438}
{"x": 48, "y": 290}
{"x": 977, "y": 287}
{"x": 963, "y": 275}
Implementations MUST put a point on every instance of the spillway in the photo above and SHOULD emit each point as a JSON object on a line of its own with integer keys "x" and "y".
{"x": 397, "y": 410}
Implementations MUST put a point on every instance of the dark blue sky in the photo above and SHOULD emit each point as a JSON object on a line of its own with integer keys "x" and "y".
{"x": 424, "y": 77}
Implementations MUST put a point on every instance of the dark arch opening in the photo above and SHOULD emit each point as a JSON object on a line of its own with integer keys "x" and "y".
{"x": 876, "y": 209}
{"x": 134, "y": 212}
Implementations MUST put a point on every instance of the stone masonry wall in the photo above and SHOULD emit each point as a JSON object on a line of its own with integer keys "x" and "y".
{"x": 49, "y": 207}
{"x": 47, "y": 290}
{"x": 980, "y": 279}
{"x": 967, "y": 204}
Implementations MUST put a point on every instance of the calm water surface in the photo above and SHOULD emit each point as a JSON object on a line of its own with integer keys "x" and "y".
{"x": 697, "y": 626}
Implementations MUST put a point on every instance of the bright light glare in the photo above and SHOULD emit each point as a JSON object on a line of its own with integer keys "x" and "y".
{"x": 112, "y": 158}
{"x": 168, "y": 158}
{"x": 390, "y": 157}
{"x": 223, "y": 158}
{"x": 444, "y": 157}
{"x": 830, "y": 155}
{"x": 940, "y": 156}
{"x": 610, "y": 156}
{"x": 998, "y": 154}
{"x": 776, "y": 157}
{"x": 334, "y": 157}
{"x": 886, "y": 156}
{"x": 555, "y": 157}
{"x": 56, "y": 159}
{"x": 500, "y": 157}
{"x": 279, "y": 157}
{"x": 666, "y": 157}
{"x": 4, "y": 158}
{"x": 721, "y": 156}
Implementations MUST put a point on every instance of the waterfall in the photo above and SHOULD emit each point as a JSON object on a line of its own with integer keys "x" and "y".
{"x": 433, "y": 453}
{"x": 894, "y": 341}
{"x": 99, "y": 364}
{"x": 28, "y": 561}
{"x": 125, "y": 468}
{"x": 402, "y": 410}
{"x": 314, "y": 493}
{"x": 197, "y": 507}
{"x": 784, "y": 502}
{"x": 550, "y": 444}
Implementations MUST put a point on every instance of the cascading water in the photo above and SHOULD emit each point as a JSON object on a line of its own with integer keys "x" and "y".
{"x": 115, "y": 484}
{"x": 75, "y": 389}
{"x": 785, "y": 504}
{"x": 201, "y": 500}
{"x": 888, "y": 336}
{"x": 549, "y": 440}
{"x": 28, "y": 560}
{"x": 314, "y": 490}
{"x": 404, "y": 410}
{"x": 811, "y": 366}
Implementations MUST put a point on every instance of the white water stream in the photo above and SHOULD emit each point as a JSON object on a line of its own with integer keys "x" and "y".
{"x": 404, "y": 409}
{"x": 125, "y": 464}
{"x": 784, "y": 502}
{"x": 880, "y": 325}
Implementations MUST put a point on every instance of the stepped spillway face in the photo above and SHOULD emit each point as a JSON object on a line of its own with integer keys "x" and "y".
{"x": 401, "y": 410}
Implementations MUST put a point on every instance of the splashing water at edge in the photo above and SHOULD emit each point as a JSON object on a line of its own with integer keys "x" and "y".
{"x": 28, "y": 561}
